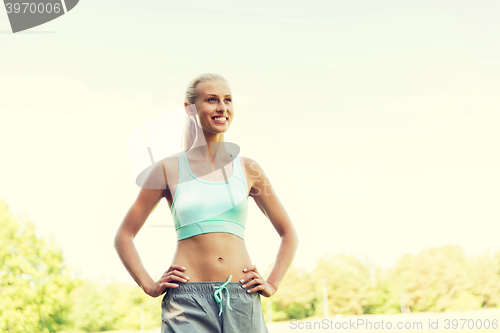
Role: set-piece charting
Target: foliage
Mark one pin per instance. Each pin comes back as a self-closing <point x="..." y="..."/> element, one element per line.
<point x="485" y="272"/>
<point x="39" y="295"/>
<point x="112" y="307"/>
<point x="434" y="279"/>
<point x="384" y="294"/>
<point x="348" y="284"/>
<point x="295" y="298"/>
<point x="34" y="282"/>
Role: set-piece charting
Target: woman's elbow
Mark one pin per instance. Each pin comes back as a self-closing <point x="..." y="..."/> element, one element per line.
<point x="295" y="238"/>
<point x="119" y="238"/>
<point x="116" y="241"/>
<point x="292" y="235"/>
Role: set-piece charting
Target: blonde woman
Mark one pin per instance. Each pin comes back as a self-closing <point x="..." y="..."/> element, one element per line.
<point x="211" y="285"/>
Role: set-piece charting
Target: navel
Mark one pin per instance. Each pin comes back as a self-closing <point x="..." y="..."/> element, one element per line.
<point x="221" y="259"/>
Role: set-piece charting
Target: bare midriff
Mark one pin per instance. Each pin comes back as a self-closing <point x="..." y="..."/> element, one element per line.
<point x="212" y="257"/>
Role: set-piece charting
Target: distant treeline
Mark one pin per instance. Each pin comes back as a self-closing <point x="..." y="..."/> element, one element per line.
<point x="436" y="279"/>
<point x="39" y="294"/>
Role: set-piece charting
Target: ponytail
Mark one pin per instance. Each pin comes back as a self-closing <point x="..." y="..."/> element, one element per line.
<point x="189" y="133"/>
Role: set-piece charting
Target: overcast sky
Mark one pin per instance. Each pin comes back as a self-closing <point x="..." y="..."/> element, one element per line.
<point x="377" y="122"/>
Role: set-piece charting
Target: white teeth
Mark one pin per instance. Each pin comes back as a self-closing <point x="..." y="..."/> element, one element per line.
<point x="220" y="119"/>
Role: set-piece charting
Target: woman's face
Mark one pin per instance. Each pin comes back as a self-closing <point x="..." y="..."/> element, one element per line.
<point x="214" y="104"/>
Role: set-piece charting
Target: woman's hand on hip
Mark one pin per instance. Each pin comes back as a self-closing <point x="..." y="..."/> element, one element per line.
<point x="257" y="282"/>
<point x="174" y="274"/>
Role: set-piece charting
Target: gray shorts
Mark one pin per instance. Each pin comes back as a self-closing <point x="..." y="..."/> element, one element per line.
<point x="193" y="307"/>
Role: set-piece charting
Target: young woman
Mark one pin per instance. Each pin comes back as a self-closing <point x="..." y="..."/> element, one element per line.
<point x="212" y="285"/>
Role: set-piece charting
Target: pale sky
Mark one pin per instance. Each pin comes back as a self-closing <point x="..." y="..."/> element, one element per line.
<point x="377" y="122"/>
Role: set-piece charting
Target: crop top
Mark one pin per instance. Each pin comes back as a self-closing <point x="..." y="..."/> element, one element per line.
<point x="201" y="206"/>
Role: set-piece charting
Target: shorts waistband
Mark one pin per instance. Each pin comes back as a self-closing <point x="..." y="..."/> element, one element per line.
<point x="217" y="289"/>
<point x="207" y="288"/>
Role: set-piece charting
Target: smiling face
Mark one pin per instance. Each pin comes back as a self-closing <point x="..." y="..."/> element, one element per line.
<point x="214" y="104"/>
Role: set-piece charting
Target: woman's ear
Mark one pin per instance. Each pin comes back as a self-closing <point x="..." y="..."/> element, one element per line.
<point x="190" y="109"/>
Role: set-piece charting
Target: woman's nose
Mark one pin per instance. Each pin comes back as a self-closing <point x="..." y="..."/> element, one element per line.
<point x="221" y="107"/>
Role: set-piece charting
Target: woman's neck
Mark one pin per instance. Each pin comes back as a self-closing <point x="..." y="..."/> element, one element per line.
<point x="210" y="146"/>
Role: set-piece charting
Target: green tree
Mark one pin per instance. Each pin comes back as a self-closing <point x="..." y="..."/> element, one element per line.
<point x="128" y="300"/>
<point x="348" y="284"/>
<point x="112" y="307"/>
<point x="92" y="311"/>
<point x="34" y="281"/>
<point x="435" y="279"/>
<point x="295" y="298"/>
<point x="486" y="281"/>
<point x="384" y="294"/>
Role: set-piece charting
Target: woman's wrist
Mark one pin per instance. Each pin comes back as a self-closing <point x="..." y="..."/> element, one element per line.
<point x="273" y="285"/>
<point x="147" y="287"/>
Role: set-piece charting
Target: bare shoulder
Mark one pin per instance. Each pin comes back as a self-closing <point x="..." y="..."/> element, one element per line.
<point x="255" y="172"/>
<point x="250" y="164"/>
<point x="160" y="173"/>
<point x="169" y="166"/>
<point x="171" y="163"/>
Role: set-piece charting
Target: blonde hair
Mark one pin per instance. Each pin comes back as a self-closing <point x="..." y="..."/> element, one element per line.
<point x="190" y="97"/>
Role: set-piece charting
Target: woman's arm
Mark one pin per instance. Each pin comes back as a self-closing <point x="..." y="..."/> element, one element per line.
<point x="268" y="202"/>
<point x="135" y="218"/>
<point x="149" y="197"/>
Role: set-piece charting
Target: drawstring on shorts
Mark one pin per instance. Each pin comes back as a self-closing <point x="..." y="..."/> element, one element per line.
<point x="218" y="294"/>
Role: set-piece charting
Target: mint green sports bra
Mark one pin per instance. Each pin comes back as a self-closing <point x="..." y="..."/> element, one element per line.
<point x="200" y="206"/>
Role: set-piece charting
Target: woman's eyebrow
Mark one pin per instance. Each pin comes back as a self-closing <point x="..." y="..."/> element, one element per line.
<point x="216" y="95"/>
